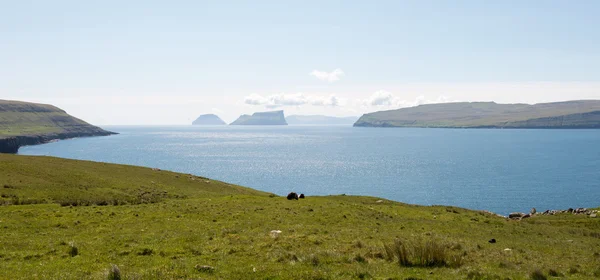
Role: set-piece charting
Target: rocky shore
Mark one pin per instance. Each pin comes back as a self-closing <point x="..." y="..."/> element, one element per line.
<point x="11" y="144"/>
<point x="533" y="212"/>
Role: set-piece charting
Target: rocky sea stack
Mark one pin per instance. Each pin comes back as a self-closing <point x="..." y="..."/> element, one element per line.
<point x="23" y="123"/>
<point x="209" y="119"/>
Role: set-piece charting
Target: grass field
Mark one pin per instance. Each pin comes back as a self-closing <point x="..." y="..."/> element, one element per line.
<point x="30" y="119"/>
<point x="153" y="224"/>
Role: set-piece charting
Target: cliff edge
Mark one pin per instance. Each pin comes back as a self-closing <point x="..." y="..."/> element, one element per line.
<point x="24" y="123"/>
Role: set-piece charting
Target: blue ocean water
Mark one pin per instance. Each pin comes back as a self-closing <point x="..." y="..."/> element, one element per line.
<point x="487" y="169"/>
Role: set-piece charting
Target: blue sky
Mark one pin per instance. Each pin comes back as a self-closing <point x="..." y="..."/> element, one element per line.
<point x="165" y="62"/>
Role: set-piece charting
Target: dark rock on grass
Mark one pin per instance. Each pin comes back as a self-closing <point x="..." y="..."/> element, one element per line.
<point x="492" y="241"/>
<point x="292" y="196"/>
<point x="301" y="195"/>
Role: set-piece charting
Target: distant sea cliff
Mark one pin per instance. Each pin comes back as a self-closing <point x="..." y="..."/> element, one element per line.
<point x="23" y="124"/>
<point x="568" y="114"/>
<point x="262" y="118"/>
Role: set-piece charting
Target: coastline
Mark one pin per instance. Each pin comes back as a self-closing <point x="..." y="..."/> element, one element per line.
<point x="11" y="144"/>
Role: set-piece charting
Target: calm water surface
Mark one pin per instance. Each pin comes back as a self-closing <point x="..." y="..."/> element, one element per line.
<point x="497" y="170"/>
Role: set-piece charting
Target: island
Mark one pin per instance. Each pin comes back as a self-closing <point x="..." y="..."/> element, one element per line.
<point x="319" y="120"/>
<point x="208" y="119"/>
<point x="24" y="123"/>
<point x="567" y="114"/>
<point x="262" y="118"/>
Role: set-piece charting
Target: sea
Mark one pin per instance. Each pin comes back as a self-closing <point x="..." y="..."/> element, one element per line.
<point x="498" y="170"/>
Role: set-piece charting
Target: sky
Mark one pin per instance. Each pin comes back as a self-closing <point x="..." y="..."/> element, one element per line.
<point x="167" y="62"/>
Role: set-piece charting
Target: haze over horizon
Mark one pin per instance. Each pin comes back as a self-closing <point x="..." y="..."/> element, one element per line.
<point x="151" y="62"/>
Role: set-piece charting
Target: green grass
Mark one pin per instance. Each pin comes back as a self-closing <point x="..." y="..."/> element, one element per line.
<point x="205" y="229"/>
<point x="27" y="119"/>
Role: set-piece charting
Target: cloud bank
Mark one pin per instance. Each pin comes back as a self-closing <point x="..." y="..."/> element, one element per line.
<point x="384" y="98"/>
<point x="331" y="77"/>
<point x="297" y="99"/>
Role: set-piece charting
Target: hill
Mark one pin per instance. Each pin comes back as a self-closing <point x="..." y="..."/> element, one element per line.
<point x="143" y="223"/>
<point x="319" y="120"/>
<point x="262" y="118"/>
<point x="209" y="119"/>
<point x="569" y="114"/>
<point x="23" y="123"/>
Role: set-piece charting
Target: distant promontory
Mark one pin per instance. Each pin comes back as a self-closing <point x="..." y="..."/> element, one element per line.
<point x="319" y="120"/>
<point x="262" y="118"/>
<point x="568" y="114"/>
<point x="208" y="119"/>
<point x="24" y="123"/>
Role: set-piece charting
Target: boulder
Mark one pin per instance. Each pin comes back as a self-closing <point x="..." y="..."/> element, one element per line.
<point x="533" y="211"/>
<point x="492" y="241"/>
<point x="301" y="195"/>
<point x="516" y="215"/>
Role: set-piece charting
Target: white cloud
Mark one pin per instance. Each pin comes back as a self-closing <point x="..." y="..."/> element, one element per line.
<point x="332" y="76"/>
<point x="297" y="99"/>
<point x="384" y="98"/>
<point x="381" y="98"/>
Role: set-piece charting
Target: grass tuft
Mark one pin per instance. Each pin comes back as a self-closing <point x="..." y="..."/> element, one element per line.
<point x="554" y="273"/>
<point x="114" y="273"/>
<point x="73" y="250"/>
<point x="538" y="275"/>
<point x="430" y="253"/>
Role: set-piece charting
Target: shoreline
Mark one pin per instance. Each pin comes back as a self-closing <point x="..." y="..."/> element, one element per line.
<point x="11" y="144"/>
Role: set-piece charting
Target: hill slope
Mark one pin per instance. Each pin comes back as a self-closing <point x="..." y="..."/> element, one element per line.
<point x="28" y="179"/>
<point x="319" y="120"/>
<point x="178" y="226"/>
<point x="569" y="114"/>
<point x="262" y="118"/>
<point x="209" y="119"/>
<point x="23" y="123"/>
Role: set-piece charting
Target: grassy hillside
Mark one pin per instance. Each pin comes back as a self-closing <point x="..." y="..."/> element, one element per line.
<point x="197" y="228"/>
<point x="25" y="119"/>
<point x="570" y="114"/>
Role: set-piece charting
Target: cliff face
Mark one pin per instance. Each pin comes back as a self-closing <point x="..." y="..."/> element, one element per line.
<point x="209" y="119"/>
<point x="23" y="123"/>
<point x="262" y="118"/>
<point x="569" y="114"/>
